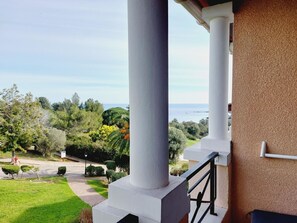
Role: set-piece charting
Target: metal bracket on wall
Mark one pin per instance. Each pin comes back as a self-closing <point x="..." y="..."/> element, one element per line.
<point x="263" y="154"/>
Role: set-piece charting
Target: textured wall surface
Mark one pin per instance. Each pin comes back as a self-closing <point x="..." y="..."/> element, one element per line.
<point x="264" y="107"/>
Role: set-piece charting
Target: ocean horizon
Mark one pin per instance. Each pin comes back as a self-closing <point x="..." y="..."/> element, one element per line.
<point x="181" y="112"/>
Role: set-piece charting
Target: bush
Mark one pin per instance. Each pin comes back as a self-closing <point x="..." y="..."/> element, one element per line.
<point x="96" y="151"/>
<point x="123" y="162"/>
<point x="26" y="168"/>
<point x="109" y="174"/>
<point x="99" y="171"/>
<point x="61" y="170"/>
<point x="117" y="175"/>
<point x="177" y="142"/>
<point x="93" y="171"/>
<point x="11" y="169"/>
<point x="110" y="164"/>
<point x="86" y="216"/>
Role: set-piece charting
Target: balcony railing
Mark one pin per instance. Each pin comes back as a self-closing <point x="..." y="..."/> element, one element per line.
<point x="211" y="181"/>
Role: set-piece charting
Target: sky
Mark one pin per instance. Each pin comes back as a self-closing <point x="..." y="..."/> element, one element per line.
<point x="58" y="47"/>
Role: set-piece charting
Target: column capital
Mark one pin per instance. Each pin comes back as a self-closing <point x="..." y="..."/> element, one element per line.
<point x="220" y="10"/>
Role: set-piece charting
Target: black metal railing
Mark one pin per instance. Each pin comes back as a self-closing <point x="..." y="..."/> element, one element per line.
<point x="211" y="181"/>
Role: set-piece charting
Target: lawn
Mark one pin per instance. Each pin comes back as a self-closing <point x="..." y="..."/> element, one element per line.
<point x="191" y="142"/>
<point x="28" y="155"/>
<point x="48" y="200"/>
<point x="100" y="186"/>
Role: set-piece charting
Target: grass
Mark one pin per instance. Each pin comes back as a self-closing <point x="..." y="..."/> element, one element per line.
<point x="28" y="155"/>
<point x="100" y="187"/>
<point x="48" y="200"/>
<point x="191" y="142"/>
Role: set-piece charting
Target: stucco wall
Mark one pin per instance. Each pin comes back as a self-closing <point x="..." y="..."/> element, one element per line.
<point x="264" y="107"/>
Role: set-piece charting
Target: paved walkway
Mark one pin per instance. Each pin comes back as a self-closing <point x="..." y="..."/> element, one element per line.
<point x="84" y="191"/>
<point x="74" y="175"/>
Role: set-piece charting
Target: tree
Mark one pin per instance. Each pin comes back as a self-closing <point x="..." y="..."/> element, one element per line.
<point x="75" y="99"/>
<point x="52" y="140"/>
<point x="192" y="129"/>
<point x="44" y="102"/>
<point x="19" y="120"/>
<point x="93" y="106"/>
<point x="177" y="142"/>
<point x="120" y="139"/>
<point x="103" y="133"/>
<point x="115" y="116"/>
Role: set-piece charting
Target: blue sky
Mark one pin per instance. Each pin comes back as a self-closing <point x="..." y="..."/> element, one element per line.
<point x="58" y="47"/>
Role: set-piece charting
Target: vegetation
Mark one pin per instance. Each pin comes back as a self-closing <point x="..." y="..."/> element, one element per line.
<point x="177" y="143"/>
<point x="61" y="170"/>
<point x="49" y="200"/>
<point x="81" y="128"/>
<point x="92" y="171"/>
<point x="100" y="187"/>
<point x="86" y="216"/>
<point x="11" y="170"/>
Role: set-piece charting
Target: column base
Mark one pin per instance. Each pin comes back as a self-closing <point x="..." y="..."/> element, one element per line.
<point x="168" y="204"/>
<point x="199" y="151"/>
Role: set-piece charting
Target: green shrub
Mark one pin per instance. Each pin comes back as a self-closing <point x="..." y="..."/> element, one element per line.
<point x="90" y="171"/>
<point x="93" y="171"/>
<point x="110" y="164"/>
<point x="11" y="169"/>
<point x="109" y="174"/>
<point x="61" y="170"/>
<point x="123" y="161"/>
<point x="117" y="175"/>
<point x="26" y="168"/>
<point x="99" y="171"/>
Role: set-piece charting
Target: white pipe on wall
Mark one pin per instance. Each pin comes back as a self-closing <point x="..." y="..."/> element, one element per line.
<point x="263" y="154"/>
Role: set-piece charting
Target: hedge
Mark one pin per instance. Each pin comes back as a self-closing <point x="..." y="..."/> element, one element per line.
<point x="95" y="152"/>
<point x="61" y="170"/>
<point x="11" y="169"/>
<point x="93" y="171"/>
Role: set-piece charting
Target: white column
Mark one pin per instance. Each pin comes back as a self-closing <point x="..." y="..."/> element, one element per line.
<point x="148" y="85"/>
<point x="218" y="77"/>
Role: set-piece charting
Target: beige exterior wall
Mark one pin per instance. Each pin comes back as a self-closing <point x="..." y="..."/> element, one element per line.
<point x="264" y="107"/>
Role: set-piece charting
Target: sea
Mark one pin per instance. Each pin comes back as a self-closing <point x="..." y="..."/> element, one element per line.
<point x="181" y="112"/>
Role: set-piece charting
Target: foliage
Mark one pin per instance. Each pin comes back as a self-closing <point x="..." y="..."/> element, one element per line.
<point x="26" y="168"/>
<point x="115" y="116"/>
<point x="120" y="139"/>
<point x="93" y="106"/>
<point x="85" y="216"/>
<point x="61" y="170"/>
<point x="103" y="133"/>
<point x="110" y="164"/>
<point x="93" y="171"/>
<point x="11" y="169"/>
<point x="117" y="175"/>
<point x="78" y="145"/>
<point x="47" y="200"/>
<point x="72" y="118"/>
<point x="100" y="187"/>
<point x="44" y="102"/>
<point x="50" y="141"/>
<point x="179" y="169"/>
<point x="177" y="143"/>
<point x="19" y="120"/>
<point x="123" y="162"/>
<point x="109" y="174"/>
<point x="192" y="130"/>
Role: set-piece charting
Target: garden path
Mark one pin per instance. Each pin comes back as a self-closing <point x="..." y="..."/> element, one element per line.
<point x="84" y="191"/>
<point x="74" y="174"/>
